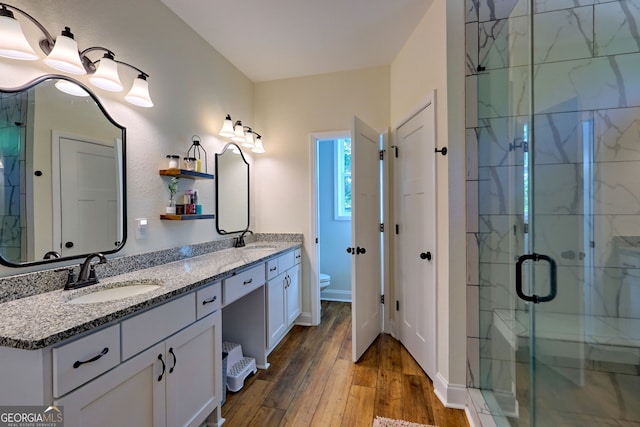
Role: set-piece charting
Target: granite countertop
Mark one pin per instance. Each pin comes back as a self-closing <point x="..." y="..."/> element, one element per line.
<point x="42" y="320"/>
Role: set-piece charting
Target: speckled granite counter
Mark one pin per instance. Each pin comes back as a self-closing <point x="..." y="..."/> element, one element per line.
<point x="48" y="318"/>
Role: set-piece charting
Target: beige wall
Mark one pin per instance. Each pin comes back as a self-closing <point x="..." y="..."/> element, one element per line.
<point x="433" y="60"/>
<point x="288" y="111"/>
<point x="191" y="84"/>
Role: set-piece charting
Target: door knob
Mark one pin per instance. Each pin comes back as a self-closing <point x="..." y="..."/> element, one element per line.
<point x="426" y="256"/>
<point x="68" y="245"/>
<point x="360" y="250"/>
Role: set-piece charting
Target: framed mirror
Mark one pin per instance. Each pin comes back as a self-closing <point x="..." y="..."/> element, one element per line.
<point x="62" y="173"/>
<point x="232" y="190"/>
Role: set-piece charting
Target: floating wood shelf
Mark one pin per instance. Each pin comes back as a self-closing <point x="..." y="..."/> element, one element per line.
<point x="183" y="173"/>
<point x="173" y="217"/>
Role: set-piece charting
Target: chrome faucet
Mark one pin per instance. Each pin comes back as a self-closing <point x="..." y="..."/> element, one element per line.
<point x="239" y="241"/>
<point x="87" y="275"/>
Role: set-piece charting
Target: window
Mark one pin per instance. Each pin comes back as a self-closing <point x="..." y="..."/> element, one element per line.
<point x="343" y="179"/>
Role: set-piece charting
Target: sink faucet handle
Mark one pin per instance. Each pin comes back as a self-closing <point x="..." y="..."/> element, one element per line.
<point x="71" y="278"/>
<point x="92" y="272"/>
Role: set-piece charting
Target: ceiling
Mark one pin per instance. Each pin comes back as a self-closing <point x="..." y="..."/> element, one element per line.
<point x="278" y="39"/>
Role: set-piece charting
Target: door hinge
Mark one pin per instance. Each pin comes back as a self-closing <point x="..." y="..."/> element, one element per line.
<point x="397" y="305"/>
<point x="395" y="149"/>
<point x="382" y="227"/>
<point x="316" y="240"/>
<point x="381" y="154"/>
<point x="526" y="228"/>
<point x="382" y="299"/>
<point x="397" y="229"/>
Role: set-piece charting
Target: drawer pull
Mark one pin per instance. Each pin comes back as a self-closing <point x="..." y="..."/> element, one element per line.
<point x="209" y="301"/>
<point x="175" y="360"/>
<point x="78" y="363"/>
<point x="273" y="268"/>
<point x="246" y="282"/>
<point x="164" y="368"/>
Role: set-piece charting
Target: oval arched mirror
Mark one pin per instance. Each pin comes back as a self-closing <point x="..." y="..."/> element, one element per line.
<point x="232" y="190"/>
<point x="62" y="167"/>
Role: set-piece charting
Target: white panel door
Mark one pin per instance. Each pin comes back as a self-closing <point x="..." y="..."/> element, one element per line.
<point x="415" y="213"/>
<point x="366" y="266"/>
<point x="89" y="197"/>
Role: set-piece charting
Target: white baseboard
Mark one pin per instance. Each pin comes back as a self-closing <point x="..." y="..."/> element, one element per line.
<point x="305" y="319"/>
<point x="451" y="395"/>
<point x="335" y="295"/>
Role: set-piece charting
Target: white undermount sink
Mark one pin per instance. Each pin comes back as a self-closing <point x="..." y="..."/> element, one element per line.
<point x="116" y="291"/>
<point x="259" y="250"/>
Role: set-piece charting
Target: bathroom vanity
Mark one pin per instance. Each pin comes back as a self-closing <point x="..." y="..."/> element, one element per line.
<point x="155" y="358"/>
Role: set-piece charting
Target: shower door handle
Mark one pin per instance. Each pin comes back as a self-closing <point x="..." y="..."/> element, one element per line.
<point x="553" y="271"/>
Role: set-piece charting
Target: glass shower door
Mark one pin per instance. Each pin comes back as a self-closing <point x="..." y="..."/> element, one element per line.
<point x="583" y="313"/>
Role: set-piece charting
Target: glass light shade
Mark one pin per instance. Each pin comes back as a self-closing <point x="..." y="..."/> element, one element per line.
<point x="106" y="76"/>
<point x="13" y="43"/>
<point x="227" y="128"/>
<point x="64" y="56"/>
<point x="139" y="93"/>
<point x="248" y="139"/>
<point x="259" y="148"/>
<point x="71" y="88"/>
<point x="238" y="135"/>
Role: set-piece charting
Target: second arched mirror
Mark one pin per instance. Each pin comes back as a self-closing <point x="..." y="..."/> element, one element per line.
<point x="232" y="190"/>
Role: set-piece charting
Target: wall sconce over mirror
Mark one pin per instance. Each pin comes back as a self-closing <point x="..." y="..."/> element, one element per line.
<point x="63" y="55"/>
<point x="243" y="135"/>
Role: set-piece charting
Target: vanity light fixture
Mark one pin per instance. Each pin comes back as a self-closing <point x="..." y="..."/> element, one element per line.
<point x="248" y="136"/>
<point x="63" y="54"/>
<point x="241" y="134"/>
<point x="238" y="132"/>
<point x="13" y="43"/>
<point x="227" y="128"/>
<point x="259" y="148"/>
<point x="106" y="76"/>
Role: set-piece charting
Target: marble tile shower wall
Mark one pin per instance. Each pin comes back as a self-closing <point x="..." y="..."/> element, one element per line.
<point x="12" y="110"/>
<point x="586" y="102"/>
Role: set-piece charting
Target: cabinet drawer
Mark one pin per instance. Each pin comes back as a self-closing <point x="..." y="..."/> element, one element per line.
<point x="208" y="300"/>
<point x="297" y="255"/>
<point x="155" y="325"/>
<point x="82" y="360"/>
<point x="235" y="287"/>
<point x="272" y="268"/>
<point x="286" y="261"/>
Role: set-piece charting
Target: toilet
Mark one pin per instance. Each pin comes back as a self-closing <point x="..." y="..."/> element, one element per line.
<point x="325" y="281"/>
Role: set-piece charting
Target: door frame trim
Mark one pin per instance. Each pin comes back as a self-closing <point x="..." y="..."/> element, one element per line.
<point x="314" y="254"/>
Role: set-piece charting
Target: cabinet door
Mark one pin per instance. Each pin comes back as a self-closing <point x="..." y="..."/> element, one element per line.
<point x="194" y="372"/>
<point x="294" y="295"/>
<point x="276" y="318"/>
<point x="130" y="395"/>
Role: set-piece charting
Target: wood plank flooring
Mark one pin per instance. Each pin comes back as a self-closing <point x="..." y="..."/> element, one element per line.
<point x="312" y="382"/>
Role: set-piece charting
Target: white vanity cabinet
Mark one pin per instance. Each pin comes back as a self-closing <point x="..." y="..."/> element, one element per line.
<point x="176" y="382"/>
<point x="160" y="367"/>
<point x="284" y="297"/>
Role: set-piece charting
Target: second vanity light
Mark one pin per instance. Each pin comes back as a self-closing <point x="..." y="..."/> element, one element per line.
<point x="242" y="134"/>
<point x="63" y="54"/>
